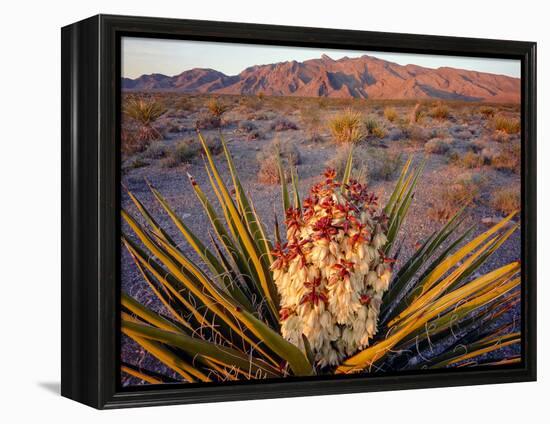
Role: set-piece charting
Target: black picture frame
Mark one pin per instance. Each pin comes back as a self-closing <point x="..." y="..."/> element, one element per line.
<point x="90" y="206"/>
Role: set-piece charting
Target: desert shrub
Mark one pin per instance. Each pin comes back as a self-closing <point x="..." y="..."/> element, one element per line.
<point x="250" y="130"/>
<point x="207" y="121"/>
<point x="440" y="111"/>
<point x="131" y="143"/>
<point x="214" y="145"/>
<point x="246" y="126"/>
<point x="507" y="125"/>
<point x="438" y="146"/>
<point x="416" y="115"/>
<point x="506" y="200"/>
<point x="470" y="160"/>
<point x="268" y="161"/>
<point x="383" y="164"/>
<point x="449" y="198"/>
<point x="477" y="145"/>
<point x="182" y="152"/>
<point x="136" y="163"/>
<point x="156" y="151"/>
<point x="508" y="159"/>
<point x="452" y="156"/>
<point x="283" y="124"/>
<point x="216" y="107"/>
<point x="390" y="114"/>
<point x="184" y="103"/>
<point x="374" y="128"/>
<point x="347" y="127"/>
<point x="501" y="136"/>
<point x="487" y="112"/>
<point x="415" y="133"/>
<point x="261" y="96"/>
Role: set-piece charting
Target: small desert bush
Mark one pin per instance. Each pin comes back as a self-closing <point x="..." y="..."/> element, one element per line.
<point x="449" y="198"/>
<point x="507" y="125"/>
<point x="374" y="128"/>
<point x="501" y="136"/>
<point x="508" y="159"/>
<point x="183" y="152"/>
<point x="156" y="151"/>
<point x="207" y="121"/>
<point x="136" y="163"/>
<point x="383" y="164"/>
<point x="131" y="143"/>
<point x="268" y="160"/>
<point x="390" y="114"/>
<point x="216" y="107"/>
<point x="347" y="127"/>
<point x="416" y="115"/>
<point x="359" y="169"/>
<point x="506" y="200"/>
<point x="440" y="111"/>
<point x="250" y="130"/>
<point x="438" y="146"/>
<point x="487" y="112"/>
<point x="470" y="160"/>
<point x="283" y="124"/>
<point x="415" y="133"/>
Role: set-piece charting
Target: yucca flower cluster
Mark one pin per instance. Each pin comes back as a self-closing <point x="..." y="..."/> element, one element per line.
<point x="332" y="272"/>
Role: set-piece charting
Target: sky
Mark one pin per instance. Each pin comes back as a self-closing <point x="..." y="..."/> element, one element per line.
<point x="171" y="57"/>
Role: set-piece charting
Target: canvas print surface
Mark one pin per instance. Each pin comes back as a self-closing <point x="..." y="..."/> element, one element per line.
<point x="296" y="212"/>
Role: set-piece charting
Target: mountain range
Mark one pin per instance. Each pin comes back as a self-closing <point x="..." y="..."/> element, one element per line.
<point x="362" y="77"/>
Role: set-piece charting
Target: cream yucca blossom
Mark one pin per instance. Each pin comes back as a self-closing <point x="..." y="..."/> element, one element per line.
<point x="331" y="273"/>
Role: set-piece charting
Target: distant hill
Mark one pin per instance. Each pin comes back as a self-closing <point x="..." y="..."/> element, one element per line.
<point x="362" y="77"/>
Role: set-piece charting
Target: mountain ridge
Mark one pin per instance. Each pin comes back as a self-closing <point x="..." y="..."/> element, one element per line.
<point x="363" y="77"/>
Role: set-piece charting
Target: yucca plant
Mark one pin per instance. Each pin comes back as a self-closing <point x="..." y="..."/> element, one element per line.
<point x="327" y="298"/>
<point x="347" y="127"/>
<point x="145" y="112"/>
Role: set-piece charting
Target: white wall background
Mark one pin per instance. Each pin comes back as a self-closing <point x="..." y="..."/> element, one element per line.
<point x="30" y="213"/>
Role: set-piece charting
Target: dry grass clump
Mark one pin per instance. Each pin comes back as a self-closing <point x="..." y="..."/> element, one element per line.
<point x="183" y="152"/>
<point x="506" y="200"/>
<point x="250" y="130"/>
<point x="156" y="151"/>
<point x="347" y="127"/>
<point x="440" y="111"/>
<point x="130" y="143"/>
<point x="283" y="124"/>
<point x="415" y="133"/>
<point x="487" y="111"/>
<point x="216" y="107"/>
<point x="438" y="146"/>
<point x="390" y="114"/>
<point x="267" y="158"/>
<point x="359" y="169"/>
<point x="471" y="160"/>
<point x="383" y="164"/>
<point x="508" y="159"/>
<point x="374" y="128"/>
<point x="207" y="121"/>
<point x="416" y="115"/>
<point x="501" y="136"/>
<point x="449" y="198"/>
<point x="369" y="164"/>
<point x="507" y="125"/>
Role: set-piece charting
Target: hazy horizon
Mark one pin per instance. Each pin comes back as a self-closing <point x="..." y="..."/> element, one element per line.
<point x="142" y="56"/>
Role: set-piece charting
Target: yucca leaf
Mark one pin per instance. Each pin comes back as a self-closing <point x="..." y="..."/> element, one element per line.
<point x="251" y="249"/>
<point x="145" y="375"/>
<point x="398" y="187"/>
<point x="228" y="356"/>
<point x="477" y="349"/>
<point x="372" y="354"/>
<point x="347" y="169"/>
<point x="296" y="192"/>
<point x="284" y="188"/>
